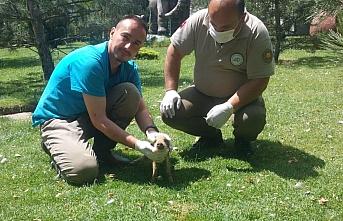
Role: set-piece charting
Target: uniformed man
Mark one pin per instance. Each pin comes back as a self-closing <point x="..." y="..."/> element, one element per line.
<point x="233" y="63"/>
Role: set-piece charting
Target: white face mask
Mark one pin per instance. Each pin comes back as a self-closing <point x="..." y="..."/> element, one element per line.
<point x="223" y="36"/>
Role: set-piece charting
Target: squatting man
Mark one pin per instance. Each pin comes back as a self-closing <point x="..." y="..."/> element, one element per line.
<point x="95" y="92"/>
<point x="233" y="63"/>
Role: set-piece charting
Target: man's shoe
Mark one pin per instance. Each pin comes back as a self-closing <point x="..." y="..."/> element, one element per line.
<point x="243" y="147"/>
<point x="109" y="159"/>
<point x="208" y="142"/>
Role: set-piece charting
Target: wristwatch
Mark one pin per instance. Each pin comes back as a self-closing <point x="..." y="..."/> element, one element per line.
<point x="151" y="126"/>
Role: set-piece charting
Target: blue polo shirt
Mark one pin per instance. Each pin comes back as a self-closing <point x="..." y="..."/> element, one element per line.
<point x="85" y="70"/>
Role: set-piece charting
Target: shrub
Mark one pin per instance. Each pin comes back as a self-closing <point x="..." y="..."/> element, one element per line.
<point x="147" y="53"/>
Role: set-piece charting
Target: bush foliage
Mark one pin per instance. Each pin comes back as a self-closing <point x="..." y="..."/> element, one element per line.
<point x="147" y="53"/>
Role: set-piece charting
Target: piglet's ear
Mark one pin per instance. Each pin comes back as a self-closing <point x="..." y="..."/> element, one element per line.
<point x="166" y="136"/>
<point x="170" y="145"/>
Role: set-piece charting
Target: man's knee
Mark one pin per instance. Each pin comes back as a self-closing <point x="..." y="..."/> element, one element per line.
<point x="250" y="123"/>
<point x="173" y="122"/>
<point x="81" y="171"/>
<point x="123" y="92"/>
<point x="123" y="100"/>
<point x="166" y="120"/>
<point x="130" y="88"/>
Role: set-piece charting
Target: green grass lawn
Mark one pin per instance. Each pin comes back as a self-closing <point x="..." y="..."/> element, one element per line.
<point x="21" y="80"/>
<point x="295" y="173"/>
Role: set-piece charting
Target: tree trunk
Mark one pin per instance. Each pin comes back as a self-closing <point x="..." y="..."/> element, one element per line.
<point x="40" y="38"/>
<point x="278" y="31"/>
<point x="179" y="14"/>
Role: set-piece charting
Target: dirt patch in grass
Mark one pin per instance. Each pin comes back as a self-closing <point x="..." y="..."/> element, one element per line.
<point x="18" y="116"/>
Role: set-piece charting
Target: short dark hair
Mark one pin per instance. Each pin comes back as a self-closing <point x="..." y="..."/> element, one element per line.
<point x="138" y="19"/>
<point x="240" y="4"/>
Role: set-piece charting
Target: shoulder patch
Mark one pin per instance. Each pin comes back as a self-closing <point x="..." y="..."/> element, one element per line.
<point x="267" y="56"/>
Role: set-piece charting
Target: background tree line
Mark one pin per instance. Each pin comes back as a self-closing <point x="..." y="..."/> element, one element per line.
<point x="46" y="24"/>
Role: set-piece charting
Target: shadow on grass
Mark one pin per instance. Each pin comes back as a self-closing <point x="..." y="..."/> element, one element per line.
<point x="27" y="90"/>
<point x="19" y="62"/>
<point x="315" y="62"/>
<point x="25" y="86"/>
<point x="285" y="161"/>
<point x="156" y="79"/>
<point x="140" y="173"/>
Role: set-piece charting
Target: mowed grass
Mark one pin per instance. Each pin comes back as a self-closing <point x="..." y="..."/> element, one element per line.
<point x="21" y="80"/>
<point x="295" y="173"/>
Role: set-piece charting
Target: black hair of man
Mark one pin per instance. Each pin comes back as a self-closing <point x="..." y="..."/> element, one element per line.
<point x="138" y="19"/>
<point x="240" y="6"/>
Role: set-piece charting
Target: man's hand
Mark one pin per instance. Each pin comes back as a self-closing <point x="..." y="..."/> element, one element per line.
<point x="168" y="102"/>
<point x="150" y="151"/>
<point x="151" y="135"/>
<point x="219" y="115"/>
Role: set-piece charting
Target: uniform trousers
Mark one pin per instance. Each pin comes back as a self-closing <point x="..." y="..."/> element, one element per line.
<point x="247" y="122"/>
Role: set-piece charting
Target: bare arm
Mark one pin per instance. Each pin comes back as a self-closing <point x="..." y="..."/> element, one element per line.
<point x="172" y="67"/>
<point x="248" y="92"/>
<point x="143" y="117"/>
<point x="96" y="107"/>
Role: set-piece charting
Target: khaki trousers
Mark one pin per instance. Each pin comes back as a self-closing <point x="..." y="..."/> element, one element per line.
<point x="248" y="121"/>
<point x="67" y="140"/>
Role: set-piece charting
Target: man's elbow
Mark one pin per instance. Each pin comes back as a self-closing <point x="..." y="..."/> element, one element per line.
<point x="264" y="84"/>
<point x="174" y="52"/>
<point x="99" y="122"/>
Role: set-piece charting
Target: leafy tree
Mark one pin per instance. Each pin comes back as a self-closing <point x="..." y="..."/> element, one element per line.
<point x="40" y="36"/>
<point x="281" y="18"/>
<point x="45" y="24"/>
<point x="332" y="40"/>
<point x="38" y="23"/>
<point x="97" y="25"/>
<point x="332" y="6"/>
<point x="199" y="4"/>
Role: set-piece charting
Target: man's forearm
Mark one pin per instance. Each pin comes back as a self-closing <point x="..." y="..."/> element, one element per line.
<point x="114" y="132"/>
<point x="248" y="92"/>
<point x="143" y="117"/>
<point x="172" y="68"/>
<point x="96" y="107"/>
<point x="144" y="120"/>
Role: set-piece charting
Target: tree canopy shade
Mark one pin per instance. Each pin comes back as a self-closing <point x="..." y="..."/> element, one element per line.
<point x="286" y="17"/>
<point x="330" y="6"/>
<point x="38" y="23"/>
<point x="16" y="19"/>
<point x="44" y="24"/>
<point x="290" y="17"/>
<point x="333" y="40"/>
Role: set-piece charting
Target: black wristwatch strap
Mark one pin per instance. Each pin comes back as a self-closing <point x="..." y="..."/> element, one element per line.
<point x="151" y="126"/>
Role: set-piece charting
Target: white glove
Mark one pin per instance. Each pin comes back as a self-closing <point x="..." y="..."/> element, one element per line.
<point x="168" y="102"/>
<point x="153" y="134"/>
<point x="150" y="151"/>
<point x="219" y="114"/>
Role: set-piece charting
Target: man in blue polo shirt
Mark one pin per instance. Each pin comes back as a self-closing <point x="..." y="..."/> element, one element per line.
<point x="95" y="91"/>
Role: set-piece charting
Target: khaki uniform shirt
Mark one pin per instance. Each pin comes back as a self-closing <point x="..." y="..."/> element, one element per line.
<point x="220" y="69"/>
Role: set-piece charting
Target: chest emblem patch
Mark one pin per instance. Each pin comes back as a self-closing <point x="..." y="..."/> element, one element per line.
<point x="236" y="59"/>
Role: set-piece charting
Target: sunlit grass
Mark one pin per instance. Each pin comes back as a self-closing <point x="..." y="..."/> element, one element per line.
<point x="295" y="173"/>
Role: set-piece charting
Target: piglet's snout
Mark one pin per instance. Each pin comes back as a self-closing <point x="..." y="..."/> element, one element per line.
<point x="160" y="146"/>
